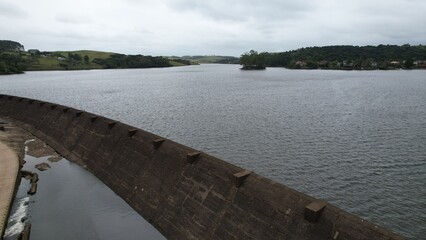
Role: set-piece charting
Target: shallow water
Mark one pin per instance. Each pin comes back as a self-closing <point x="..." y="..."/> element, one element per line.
<point x="354" y="138"/>
<point x="70" y="203"/>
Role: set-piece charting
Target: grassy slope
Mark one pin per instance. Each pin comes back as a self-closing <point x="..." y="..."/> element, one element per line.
<point x="51" y="62"/>
<point x="176" y="64"/>
<point x="205" y="59"/>
<point x="91" y="54"/>
<point x="208" y="59"/>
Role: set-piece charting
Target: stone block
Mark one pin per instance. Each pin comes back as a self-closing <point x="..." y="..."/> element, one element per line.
<point x="239" y="177"/>
<point x="157" y="142"/>
<point x="131" y="132"/>
<point x="313" y="210"/>
<point x="93" y="118"/>
<point x="111" y="124"/>
<point x="192" y="156"/>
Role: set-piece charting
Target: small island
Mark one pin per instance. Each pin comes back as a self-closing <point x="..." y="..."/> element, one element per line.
<point x="252" y="61"/>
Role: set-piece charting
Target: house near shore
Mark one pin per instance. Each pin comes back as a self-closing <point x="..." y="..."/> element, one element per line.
<point x="323" y="64"/>
<point x="347" y="64"/>
<point x="300" y="64"/>
<point x="420" y="64"/>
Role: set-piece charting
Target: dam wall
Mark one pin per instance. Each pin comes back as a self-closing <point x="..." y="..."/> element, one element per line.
<point x="184" y="193"/>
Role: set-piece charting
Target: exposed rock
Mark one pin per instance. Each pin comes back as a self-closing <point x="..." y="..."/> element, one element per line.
<point x="38" y="148"/>
<point x="33" y="188"/>
<point x="56" y="158"/>
<point x="42" y="166"/>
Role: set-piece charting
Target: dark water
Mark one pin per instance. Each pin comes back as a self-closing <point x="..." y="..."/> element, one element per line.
<point x="70" y="203"/>
<point x="356" y="139"/>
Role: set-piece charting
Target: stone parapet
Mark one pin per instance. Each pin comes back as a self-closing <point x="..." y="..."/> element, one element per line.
<point x="184" y="193"/>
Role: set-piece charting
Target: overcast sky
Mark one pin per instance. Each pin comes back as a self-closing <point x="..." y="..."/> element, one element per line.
<point x="221" y="27"/>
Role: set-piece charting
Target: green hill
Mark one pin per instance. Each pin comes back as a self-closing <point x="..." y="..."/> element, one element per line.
<point x="86" y="59"/>
<point x="13" y="59"/>
<point x="349" y="57"/>
<point x="64" y="60"/>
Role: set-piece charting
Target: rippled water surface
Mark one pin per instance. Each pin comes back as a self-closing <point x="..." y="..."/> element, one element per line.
<point x="354" y="138"/>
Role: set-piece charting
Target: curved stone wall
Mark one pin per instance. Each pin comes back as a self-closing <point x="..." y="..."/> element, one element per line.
<point x="184" y="193"/>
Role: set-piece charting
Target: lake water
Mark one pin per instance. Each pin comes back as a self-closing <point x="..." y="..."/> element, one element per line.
<point x="354" y="138"/>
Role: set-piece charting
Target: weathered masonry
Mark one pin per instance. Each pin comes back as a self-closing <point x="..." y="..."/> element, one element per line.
<point x="184" y="193"/>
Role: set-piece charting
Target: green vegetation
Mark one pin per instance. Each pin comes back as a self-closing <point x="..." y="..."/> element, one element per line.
<point x="64" y="60"/>
<point x="181" y="62"/>
<point x="253" y="60"/>
<point x="132" y="61"/>
<point x="348" y="57"/>
<point x="90" y="54"/>
<point x="80" y="60"/>
<point x="11" y="63"/>
<point x="13" y="59"/>
<point x="211" y="59"/>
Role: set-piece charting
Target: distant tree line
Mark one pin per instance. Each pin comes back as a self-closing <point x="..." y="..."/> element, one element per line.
<point x="228" y="60"/>
<point x="132" y="61"/>
<point x="211" y="59"/>
<point x="346" y="57"/>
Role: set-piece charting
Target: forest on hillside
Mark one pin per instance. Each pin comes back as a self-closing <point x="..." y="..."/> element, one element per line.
<point x="343" y="57"/>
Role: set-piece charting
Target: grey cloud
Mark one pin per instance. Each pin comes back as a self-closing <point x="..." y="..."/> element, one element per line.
<point x="12" y="11"/>
<point x="73" y="19"/>
<point x="272" y="10"/>
<point x="182" y="27"/>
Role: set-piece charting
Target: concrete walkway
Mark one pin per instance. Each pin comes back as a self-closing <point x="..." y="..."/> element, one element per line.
<point x="9" y="167"/>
